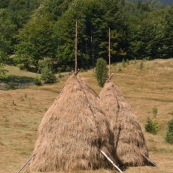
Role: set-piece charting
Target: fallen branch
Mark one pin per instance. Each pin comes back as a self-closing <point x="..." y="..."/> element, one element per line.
<point x="111" y="161"/>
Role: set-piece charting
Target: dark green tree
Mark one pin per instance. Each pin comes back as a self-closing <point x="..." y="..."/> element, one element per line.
<point x="90" y="19"/>
<point x="36" y="41"/>
<point x="101" y="71"/>
<point x="94" y="18"/>
<point x="22" y="9"/>
<point x="7" y="32"/>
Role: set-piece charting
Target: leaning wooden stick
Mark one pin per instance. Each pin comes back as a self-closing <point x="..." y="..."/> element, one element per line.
<point x="111" y="161"/>
<point x="26" y="163"/>
<point x="110" y="77"/>
<point x="75" y="73"/>
<point x="152" y="163"/>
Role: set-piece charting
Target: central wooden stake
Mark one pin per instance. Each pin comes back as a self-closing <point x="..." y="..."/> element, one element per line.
<point x="109" y="54"/>
<point x="76" y="39"/>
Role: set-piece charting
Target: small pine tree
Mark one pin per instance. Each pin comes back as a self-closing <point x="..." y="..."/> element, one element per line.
<point x="101" y="71"/>
<point x="151" y="125"/>
<point x="169" y="135"/>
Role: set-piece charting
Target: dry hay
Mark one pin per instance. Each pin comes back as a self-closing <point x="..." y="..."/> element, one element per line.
<point x="70" y="135"/>
<point x="129" y="140"/>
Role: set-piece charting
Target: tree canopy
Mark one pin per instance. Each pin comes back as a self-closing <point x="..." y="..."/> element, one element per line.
<point x="33" y="30"/>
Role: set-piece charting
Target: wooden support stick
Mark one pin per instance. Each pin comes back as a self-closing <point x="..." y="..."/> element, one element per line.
<point x="111" y="161"/>
<point x="152" y="163"/>
<point x="26" y="163"/>
<point x="110" y="77"/>
<point x="90" y="107"/>
<point x="76" y="47"/>
<point x="109" y="54"/>
<point x="75" y="73"/>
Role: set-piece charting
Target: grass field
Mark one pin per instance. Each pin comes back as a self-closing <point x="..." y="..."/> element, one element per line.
<point x="144" y="84"/>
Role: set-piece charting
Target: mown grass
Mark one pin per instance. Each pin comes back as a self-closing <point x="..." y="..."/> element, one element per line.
<point x="21" y="111"/>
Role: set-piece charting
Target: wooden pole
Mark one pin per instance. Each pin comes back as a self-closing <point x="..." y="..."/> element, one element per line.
<point x="76" y="39"/>
<point x="152" y="163"/>
<point x="26" y="163"/>
<point x="111" y="161"/>
<point x="109" y="54"/>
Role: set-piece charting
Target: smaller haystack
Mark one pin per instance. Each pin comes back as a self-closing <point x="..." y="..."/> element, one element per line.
<point x="72" y="132"/>
<point x="129" y="140"/>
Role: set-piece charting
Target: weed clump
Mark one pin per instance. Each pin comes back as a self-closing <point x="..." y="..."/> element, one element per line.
<point x="37" y="81"/>
<point x="141" y="65"/>
<point x="169" y="135"/>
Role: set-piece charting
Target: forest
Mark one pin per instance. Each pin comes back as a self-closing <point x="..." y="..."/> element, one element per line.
<point x="35" y="31"/>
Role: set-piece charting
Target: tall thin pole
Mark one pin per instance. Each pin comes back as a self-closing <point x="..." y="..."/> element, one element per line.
<point x="109" y="54"/>
<point x="76" y="39"/>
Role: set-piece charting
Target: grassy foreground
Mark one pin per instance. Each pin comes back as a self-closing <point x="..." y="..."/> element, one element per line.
<point x="144" y="84"/>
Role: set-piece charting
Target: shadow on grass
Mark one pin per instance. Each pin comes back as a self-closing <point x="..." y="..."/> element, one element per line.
<point x="15" y="82"/>
<point x="18" y="79"/>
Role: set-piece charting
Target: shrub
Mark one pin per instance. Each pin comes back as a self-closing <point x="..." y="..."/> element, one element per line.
<point x="46" y="69"/>
<point x="59" y="69"/>
<point x="68" y="68"/>
<point x="47" y="75"/>
<point x="3" y="72"/>
<point x="127" y="61"/>
<point x="37" y="81"/>
<point x="151" y="126"/>
<point x="21" y="66"/>
<point x="141" y="65"/>
<point x="101" y="71"/>
<point x="169" y="135"/>
<point x="11" y="86"/>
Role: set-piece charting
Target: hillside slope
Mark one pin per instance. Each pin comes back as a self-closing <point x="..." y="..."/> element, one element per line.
<point x="144" y="84"/>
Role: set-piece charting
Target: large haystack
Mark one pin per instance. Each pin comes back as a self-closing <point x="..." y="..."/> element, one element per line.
<point x="70" y="134"/>
<point x="129" y="140"/>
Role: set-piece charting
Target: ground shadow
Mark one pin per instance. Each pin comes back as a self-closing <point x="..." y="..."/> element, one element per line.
<point x="16" y="82"/>
<point x="18" y="79"/>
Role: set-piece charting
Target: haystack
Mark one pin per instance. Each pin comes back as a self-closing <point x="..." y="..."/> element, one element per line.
<point x="72" y="133"/>
<point x="129" y="142"/>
